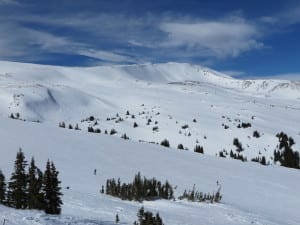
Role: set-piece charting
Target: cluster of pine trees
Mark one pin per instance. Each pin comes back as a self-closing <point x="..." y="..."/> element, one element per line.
<point x="199" y="149"/>
<point x="92" y="130"/>
<point x="31" y="189"/>
<point x="285" y="154"/>
<point x="238" y="144"/>
<point x="147" y="218"/>
<point x="237" y="156"/>
<point x="196" y="196"/>
<point x="244" y="125"/>
<point x="140" y="189"/>
<point x="261" y="160"/>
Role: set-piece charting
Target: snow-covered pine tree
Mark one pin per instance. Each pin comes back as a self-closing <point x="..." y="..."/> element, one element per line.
<point x="2" y="188"/>
<point x="35" y="181"/>
<point x="17" y="191"/>
<point x="51" y="188"/>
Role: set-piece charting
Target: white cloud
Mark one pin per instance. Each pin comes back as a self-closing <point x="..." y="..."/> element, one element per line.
<point x="128" y="38"/>
<point x="285" y="76"/>
<point x="221" y="38"/>
<point x="104" y="55"/>
<point x="290" y="16"/>
<point x="268" y="20"/>
<point x="18" y="42"/>
<point x="287" y="16"/>
<point x="9" y="2"/>
<point x="233" y="73"/>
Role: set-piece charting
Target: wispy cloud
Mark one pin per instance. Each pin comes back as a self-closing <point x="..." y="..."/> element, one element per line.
<point x="105" y="55"/>
<point x="9" y="2"/>
<point x="123" y="38"/>
<point x="290" y="15"/>
<point x="286" y="17"/>
<point x="285" y="76"/>
<point x="222" y="39"/>
<point x="234" y="73"/>
<point x="18" y="41"/>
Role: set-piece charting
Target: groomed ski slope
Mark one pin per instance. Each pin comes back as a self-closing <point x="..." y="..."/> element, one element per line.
<point x="252" y="194"/>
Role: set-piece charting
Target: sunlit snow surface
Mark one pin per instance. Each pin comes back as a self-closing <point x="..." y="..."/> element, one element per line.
<point x="173" y="94"/>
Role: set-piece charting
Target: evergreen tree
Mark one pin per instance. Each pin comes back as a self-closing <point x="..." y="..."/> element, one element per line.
<point x="238" y="144"/>
<point x="285" y="154"/>
<point x="52" y="189"/>
<point x="180" y="146"/>
<point x="263" y="160"/>
<point x="2" y="188"/>
<point x="17" y="191"/>
<point x="117" y="218"/>
<point x="77" y="127"/>
<point x="35" y="180"/>
<point x="165" y="143"/>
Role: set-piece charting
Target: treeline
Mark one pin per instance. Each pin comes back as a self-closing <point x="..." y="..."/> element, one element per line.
<point x="31" y="188"/>
<point x="140" y="189"/>
<point x="197" y="196"/>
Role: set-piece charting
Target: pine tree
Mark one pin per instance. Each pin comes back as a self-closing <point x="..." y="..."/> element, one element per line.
<point x="158" y="219"/>
<point x="117" y="218"/>
<point x="180" y="146"/>
<point x="263" y="160"/>
<point x="2" y="188"/>
<point x="35" y="180"/>
<point x="77" y="127"/>
<point x="17" y="192"/>
<point x="52" y="189"/>
<point x="165" y="143"/>
<point x="285" y="154"/>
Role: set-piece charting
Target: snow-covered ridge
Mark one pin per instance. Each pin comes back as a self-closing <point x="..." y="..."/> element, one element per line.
<point x="158" y="73"/>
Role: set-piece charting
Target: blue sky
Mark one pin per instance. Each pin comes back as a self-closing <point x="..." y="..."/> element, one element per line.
<point x="242" y="38"/>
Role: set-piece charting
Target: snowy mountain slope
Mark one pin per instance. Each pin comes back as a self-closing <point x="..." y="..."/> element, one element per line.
<point x="252" y="194"/>
<point x="171" y="95"/>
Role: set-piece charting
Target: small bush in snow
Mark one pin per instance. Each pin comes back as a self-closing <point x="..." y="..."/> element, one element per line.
<point x="165" y="143"/>
<point x="185" y="126"/>
<point x="112" y="131"/>
<point x="180" y="146"/>
<point x="256" y="134"/>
